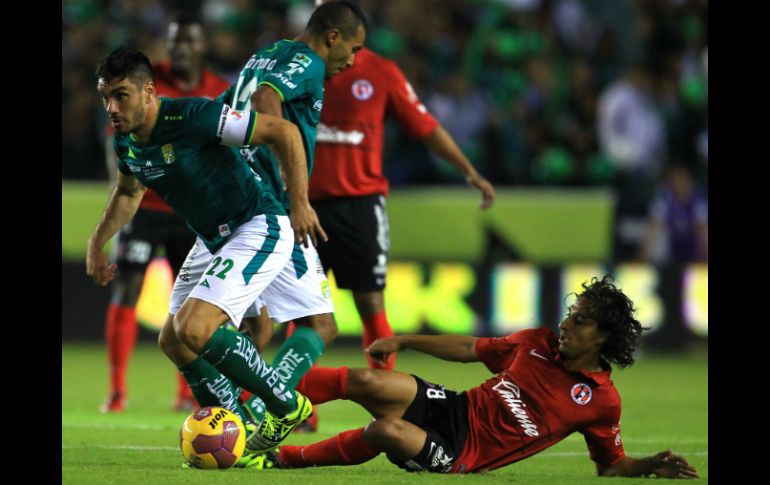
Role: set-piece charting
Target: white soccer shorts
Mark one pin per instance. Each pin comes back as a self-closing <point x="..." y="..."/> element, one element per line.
<point x="234" y="277"/>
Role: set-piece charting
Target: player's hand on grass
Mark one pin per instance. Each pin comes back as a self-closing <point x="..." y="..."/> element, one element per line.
<point x="486" y="189"/>
<point x="668" y="465"/>
<point x="381" y="349"/>
<point x="306" y="226"/>
<point x="98" y="266"/>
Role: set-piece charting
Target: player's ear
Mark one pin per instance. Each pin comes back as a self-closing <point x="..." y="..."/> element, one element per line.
<point x="602" y="337"/>
<point x="149" y="91"/>
<point x="332" y="37"/>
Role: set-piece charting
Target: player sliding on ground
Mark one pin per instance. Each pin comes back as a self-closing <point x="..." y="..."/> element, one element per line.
<point x="545" y="387"/>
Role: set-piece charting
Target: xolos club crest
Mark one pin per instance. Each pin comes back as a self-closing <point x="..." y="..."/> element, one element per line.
<point x="581" y="393"/>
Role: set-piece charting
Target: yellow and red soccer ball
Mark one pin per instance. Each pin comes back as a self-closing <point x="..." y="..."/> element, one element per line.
<point x="212" y="438"/>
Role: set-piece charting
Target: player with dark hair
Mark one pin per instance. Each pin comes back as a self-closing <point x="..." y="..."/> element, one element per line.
<point x="184" y="74"/>
<point x="348" y="189"/>
<point x="286" y="80"/>
<point x="186" y="150"/>
<point x="545" y="388"/>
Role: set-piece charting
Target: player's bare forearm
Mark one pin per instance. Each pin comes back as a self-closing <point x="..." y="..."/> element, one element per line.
<point x="443" y="146"/>
<point x="664" y="464"/>
<point x="285" y="139"/>
<point x="454" y="348"/>
<point x="121" y="207"/>
<point x="266" y="100"/>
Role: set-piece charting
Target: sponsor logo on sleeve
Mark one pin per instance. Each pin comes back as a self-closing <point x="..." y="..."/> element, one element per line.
<point x="223" y="120"/>
<point x="285" y="80"/>
<point x="302" y="59"/>
<point x="224" y="230"/>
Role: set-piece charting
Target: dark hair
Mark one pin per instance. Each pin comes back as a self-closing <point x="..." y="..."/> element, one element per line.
<point x="125" y="62"/>
<point x="614" y="313"/>
<point x="344" y="15"/>
<point x="185" y="17"/>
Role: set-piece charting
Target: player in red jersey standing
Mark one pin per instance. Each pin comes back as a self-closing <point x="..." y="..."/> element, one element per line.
<point x="182" y="75"/>
<point x="545" y="388"/>
<point x="348" y="189"/>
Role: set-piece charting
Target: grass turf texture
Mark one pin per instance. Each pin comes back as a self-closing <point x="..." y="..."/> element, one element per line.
<point x="665" y="404"/>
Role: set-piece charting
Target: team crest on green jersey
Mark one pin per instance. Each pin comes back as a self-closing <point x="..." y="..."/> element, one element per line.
<point x="168" y="153"/>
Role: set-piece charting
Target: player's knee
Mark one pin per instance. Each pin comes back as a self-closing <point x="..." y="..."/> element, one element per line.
<point x="323" y="323"/>
<point x="165" y="343"/>
<point x="385" y="433"/>
<point x="167" y="340"/>
<point x="362" y="381"/>
<point x="190" y="332"/>
<point x="369" y="302"/>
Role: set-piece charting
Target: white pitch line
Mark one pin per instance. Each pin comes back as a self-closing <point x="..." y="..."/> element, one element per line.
<point x="554" y="454"/>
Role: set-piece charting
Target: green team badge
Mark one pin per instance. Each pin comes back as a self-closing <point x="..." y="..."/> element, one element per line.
<point x="131" y="154"/>
<point x="168" y="153"/>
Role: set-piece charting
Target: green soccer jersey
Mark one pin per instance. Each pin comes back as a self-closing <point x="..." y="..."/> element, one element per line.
<point x="297" y="73"/>
<point x="191" y="162"/>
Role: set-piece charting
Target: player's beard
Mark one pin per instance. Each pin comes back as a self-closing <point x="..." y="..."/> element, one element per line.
<point x="132" y="125"/>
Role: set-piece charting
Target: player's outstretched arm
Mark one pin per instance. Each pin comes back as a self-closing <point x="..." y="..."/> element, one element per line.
<point x="121" y="207"/>
<point x="664" y="464"/>
<point x="443" y="146"/>
<point x="455" y="348"/>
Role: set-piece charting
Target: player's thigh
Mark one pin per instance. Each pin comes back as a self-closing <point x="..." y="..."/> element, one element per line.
<point x="194" y="266"/>
<point x="382" y="393"/>
<point x="437" y="452"/>
<point x="240" y="271"/>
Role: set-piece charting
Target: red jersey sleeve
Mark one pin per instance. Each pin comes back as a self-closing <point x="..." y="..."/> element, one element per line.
<point x="603" y="439"/>
<point x="497" y="352"/>
<point x="406" y="107"/>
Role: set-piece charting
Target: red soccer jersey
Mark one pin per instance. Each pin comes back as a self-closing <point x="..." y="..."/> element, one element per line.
<point x="211" y="85"/>
<point x="533" y="403"/>
<point x="348" y="154"/>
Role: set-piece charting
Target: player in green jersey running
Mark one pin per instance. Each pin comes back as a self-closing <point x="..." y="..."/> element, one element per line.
<point x="184" y="150"/>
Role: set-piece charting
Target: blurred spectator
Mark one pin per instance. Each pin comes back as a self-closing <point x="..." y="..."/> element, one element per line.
<point x="632" y="135"/>
<point x="542" y="92"/>
<point x="677" y="228"/>
<point x="631" y="131"/>
<point x="464" y="111"/>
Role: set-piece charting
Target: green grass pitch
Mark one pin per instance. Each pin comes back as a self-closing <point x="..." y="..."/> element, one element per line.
<point x="665" y="404"/>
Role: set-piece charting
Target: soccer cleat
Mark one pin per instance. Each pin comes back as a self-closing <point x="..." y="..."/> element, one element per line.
<point x="185" y="404"/>
<point x="310" y="425"/>
<point x="115" y="403"/>
<point x="272" y="430"/>
<point x="260" y="461"/>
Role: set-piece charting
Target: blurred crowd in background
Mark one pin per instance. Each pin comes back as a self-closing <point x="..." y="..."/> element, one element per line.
<point x="545" y="93"/>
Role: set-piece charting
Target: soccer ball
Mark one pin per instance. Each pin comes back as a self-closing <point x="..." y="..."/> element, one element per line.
<point x="212" y="438"/>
